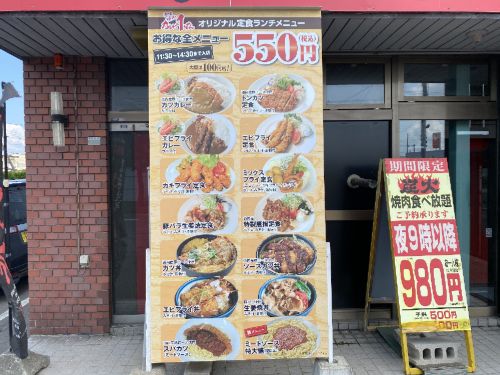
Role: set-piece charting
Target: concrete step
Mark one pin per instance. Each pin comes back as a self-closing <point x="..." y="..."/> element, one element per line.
<point x="135" y="329"/>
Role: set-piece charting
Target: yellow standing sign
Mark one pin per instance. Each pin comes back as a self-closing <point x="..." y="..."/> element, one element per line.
<point x="238" y="249"/>
<point x="423" y="238"/>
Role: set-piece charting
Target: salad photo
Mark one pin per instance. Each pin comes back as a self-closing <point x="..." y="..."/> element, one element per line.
<point x="209" y="170"/>
<point x="169" y="83"/>
<point x="293" y="211"/>
<point x="169" y="125"/>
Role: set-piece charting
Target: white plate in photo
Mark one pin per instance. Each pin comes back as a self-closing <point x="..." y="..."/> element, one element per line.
<point x="231" y="214"/>
<point x="309" y="175"/>
<point x="171" y="173"/>
<point x="223" y="129"/>
<point x="303" y="226"/>
<point x="223" y="325"/>
<point x="303" y="104"/>
<point x="270" y="124"/>
<point x="306" y="323"/>
<point x="221" y="84"/>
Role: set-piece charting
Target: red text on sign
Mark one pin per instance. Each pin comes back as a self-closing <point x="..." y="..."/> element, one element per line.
<point x="429" y="284"/>
<point x="442" y="314"/>
<point x="269" y="47"/>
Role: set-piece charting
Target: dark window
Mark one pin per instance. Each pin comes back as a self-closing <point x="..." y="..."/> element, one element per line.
<point x="355" y="83"/>
<point x="17" y="205"/>
<point x="424" y="79"/>
<point x="128" y="85"/>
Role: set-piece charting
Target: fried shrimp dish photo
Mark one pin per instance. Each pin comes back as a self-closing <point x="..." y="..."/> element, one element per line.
<point x="291" y="130"/>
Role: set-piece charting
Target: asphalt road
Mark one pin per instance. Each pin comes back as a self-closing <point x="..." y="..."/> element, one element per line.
<point x="22" y="289"/>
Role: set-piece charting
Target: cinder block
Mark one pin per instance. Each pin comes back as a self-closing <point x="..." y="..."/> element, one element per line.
<point x="432" y="351"/>
<point x="482" y="322"/>
<point x="354" y="325"/>
<point x="198" y="368"/>
<point x="492" y="322"/>
<point x="338" y="367"/>
<point x="343" y="326"/>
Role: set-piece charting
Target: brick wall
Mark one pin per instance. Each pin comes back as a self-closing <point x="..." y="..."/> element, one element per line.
<point x="63" y="298"/>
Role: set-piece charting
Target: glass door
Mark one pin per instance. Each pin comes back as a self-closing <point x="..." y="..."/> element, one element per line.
<point x="470" y="147"/>
<point x="352" y="148"/>
<point x="129" y="160"/>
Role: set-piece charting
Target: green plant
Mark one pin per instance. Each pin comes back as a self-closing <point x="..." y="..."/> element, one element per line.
<point x="17" y="175"/>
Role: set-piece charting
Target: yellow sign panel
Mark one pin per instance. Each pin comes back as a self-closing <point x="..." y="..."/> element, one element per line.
<point x="424" y="238"/>
<point x="238" y="251"/>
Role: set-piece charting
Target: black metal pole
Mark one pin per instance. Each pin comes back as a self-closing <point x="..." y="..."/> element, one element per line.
<point x="6" y="200"/>
<point x="18" y="333"/>
<point x="5" y="214"/>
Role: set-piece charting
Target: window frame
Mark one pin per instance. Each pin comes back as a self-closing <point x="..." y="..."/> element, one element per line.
<point x="447" y="60"/>
<point x="386" y="61"/>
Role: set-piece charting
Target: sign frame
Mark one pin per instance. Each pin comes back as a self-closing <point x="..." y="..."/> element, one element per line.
<point x="382" y="194"/>
<point x="248" y="327"/>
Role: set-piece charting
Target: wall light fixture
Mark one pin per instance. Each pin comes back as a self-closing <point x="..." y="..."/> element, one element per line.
<point x="59" y="120"/>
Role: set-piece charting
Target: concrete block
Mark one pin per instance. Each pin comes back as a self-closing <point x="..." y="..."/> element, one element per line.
<point x="198" y="368"/>
<point x="482" y="322"/>
<point x="474" y="322"/>
<point x="10" y="364"/>
<point x="155" y="370"/>
<point x="451" y="370"/>
<point x="354" y="325"/>
<point x="432" y="351"/>
<point x="338" y="367"/>
<point x="492" y="322"/>
<point x="343" y="326"/>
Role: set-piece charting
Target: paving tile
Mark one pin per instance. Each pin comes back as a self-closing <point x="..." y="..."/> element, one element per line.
<point x="366" y="352"/>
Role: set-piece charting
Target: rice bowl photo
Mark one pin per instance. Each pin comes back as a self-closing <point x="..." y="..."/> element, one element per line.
<point x="207" y="255"/>
<point x="295" y="254"/>
<point x="208" y="297"/>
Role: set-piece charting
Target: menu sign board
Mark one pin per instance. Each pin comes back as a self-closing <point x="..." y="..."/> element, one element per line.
<point x="238" y="251"/>
<point x="424" y="241"/>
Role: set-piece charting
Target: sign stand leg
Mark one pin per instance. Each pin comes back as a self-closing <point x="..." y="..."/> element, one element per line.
<point x="406" y="359"/>
<point x="469" y="344"/>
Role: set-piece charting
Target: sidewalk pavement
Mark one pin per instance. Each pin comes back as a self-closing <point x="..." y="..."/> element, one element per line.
<point x="366" y="352"/>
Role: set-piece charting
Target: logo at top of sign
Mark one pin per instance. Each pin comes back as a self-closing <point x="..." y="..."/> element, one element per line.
<point x="419" y="184"/>
<point x="176" y="22"/>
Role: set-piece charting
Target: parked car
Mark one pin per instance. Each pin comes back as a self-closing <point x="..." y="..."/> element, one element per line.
<point x="17" y="252"/>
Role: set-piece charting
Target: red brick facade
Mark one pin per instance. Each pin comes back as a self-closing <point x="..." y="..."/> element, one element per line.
<point x="63" y="298"/>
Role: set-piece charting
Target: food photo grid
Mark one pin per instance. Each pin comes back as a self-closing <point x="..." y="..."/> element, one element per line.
<point x="238" y="251"/>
